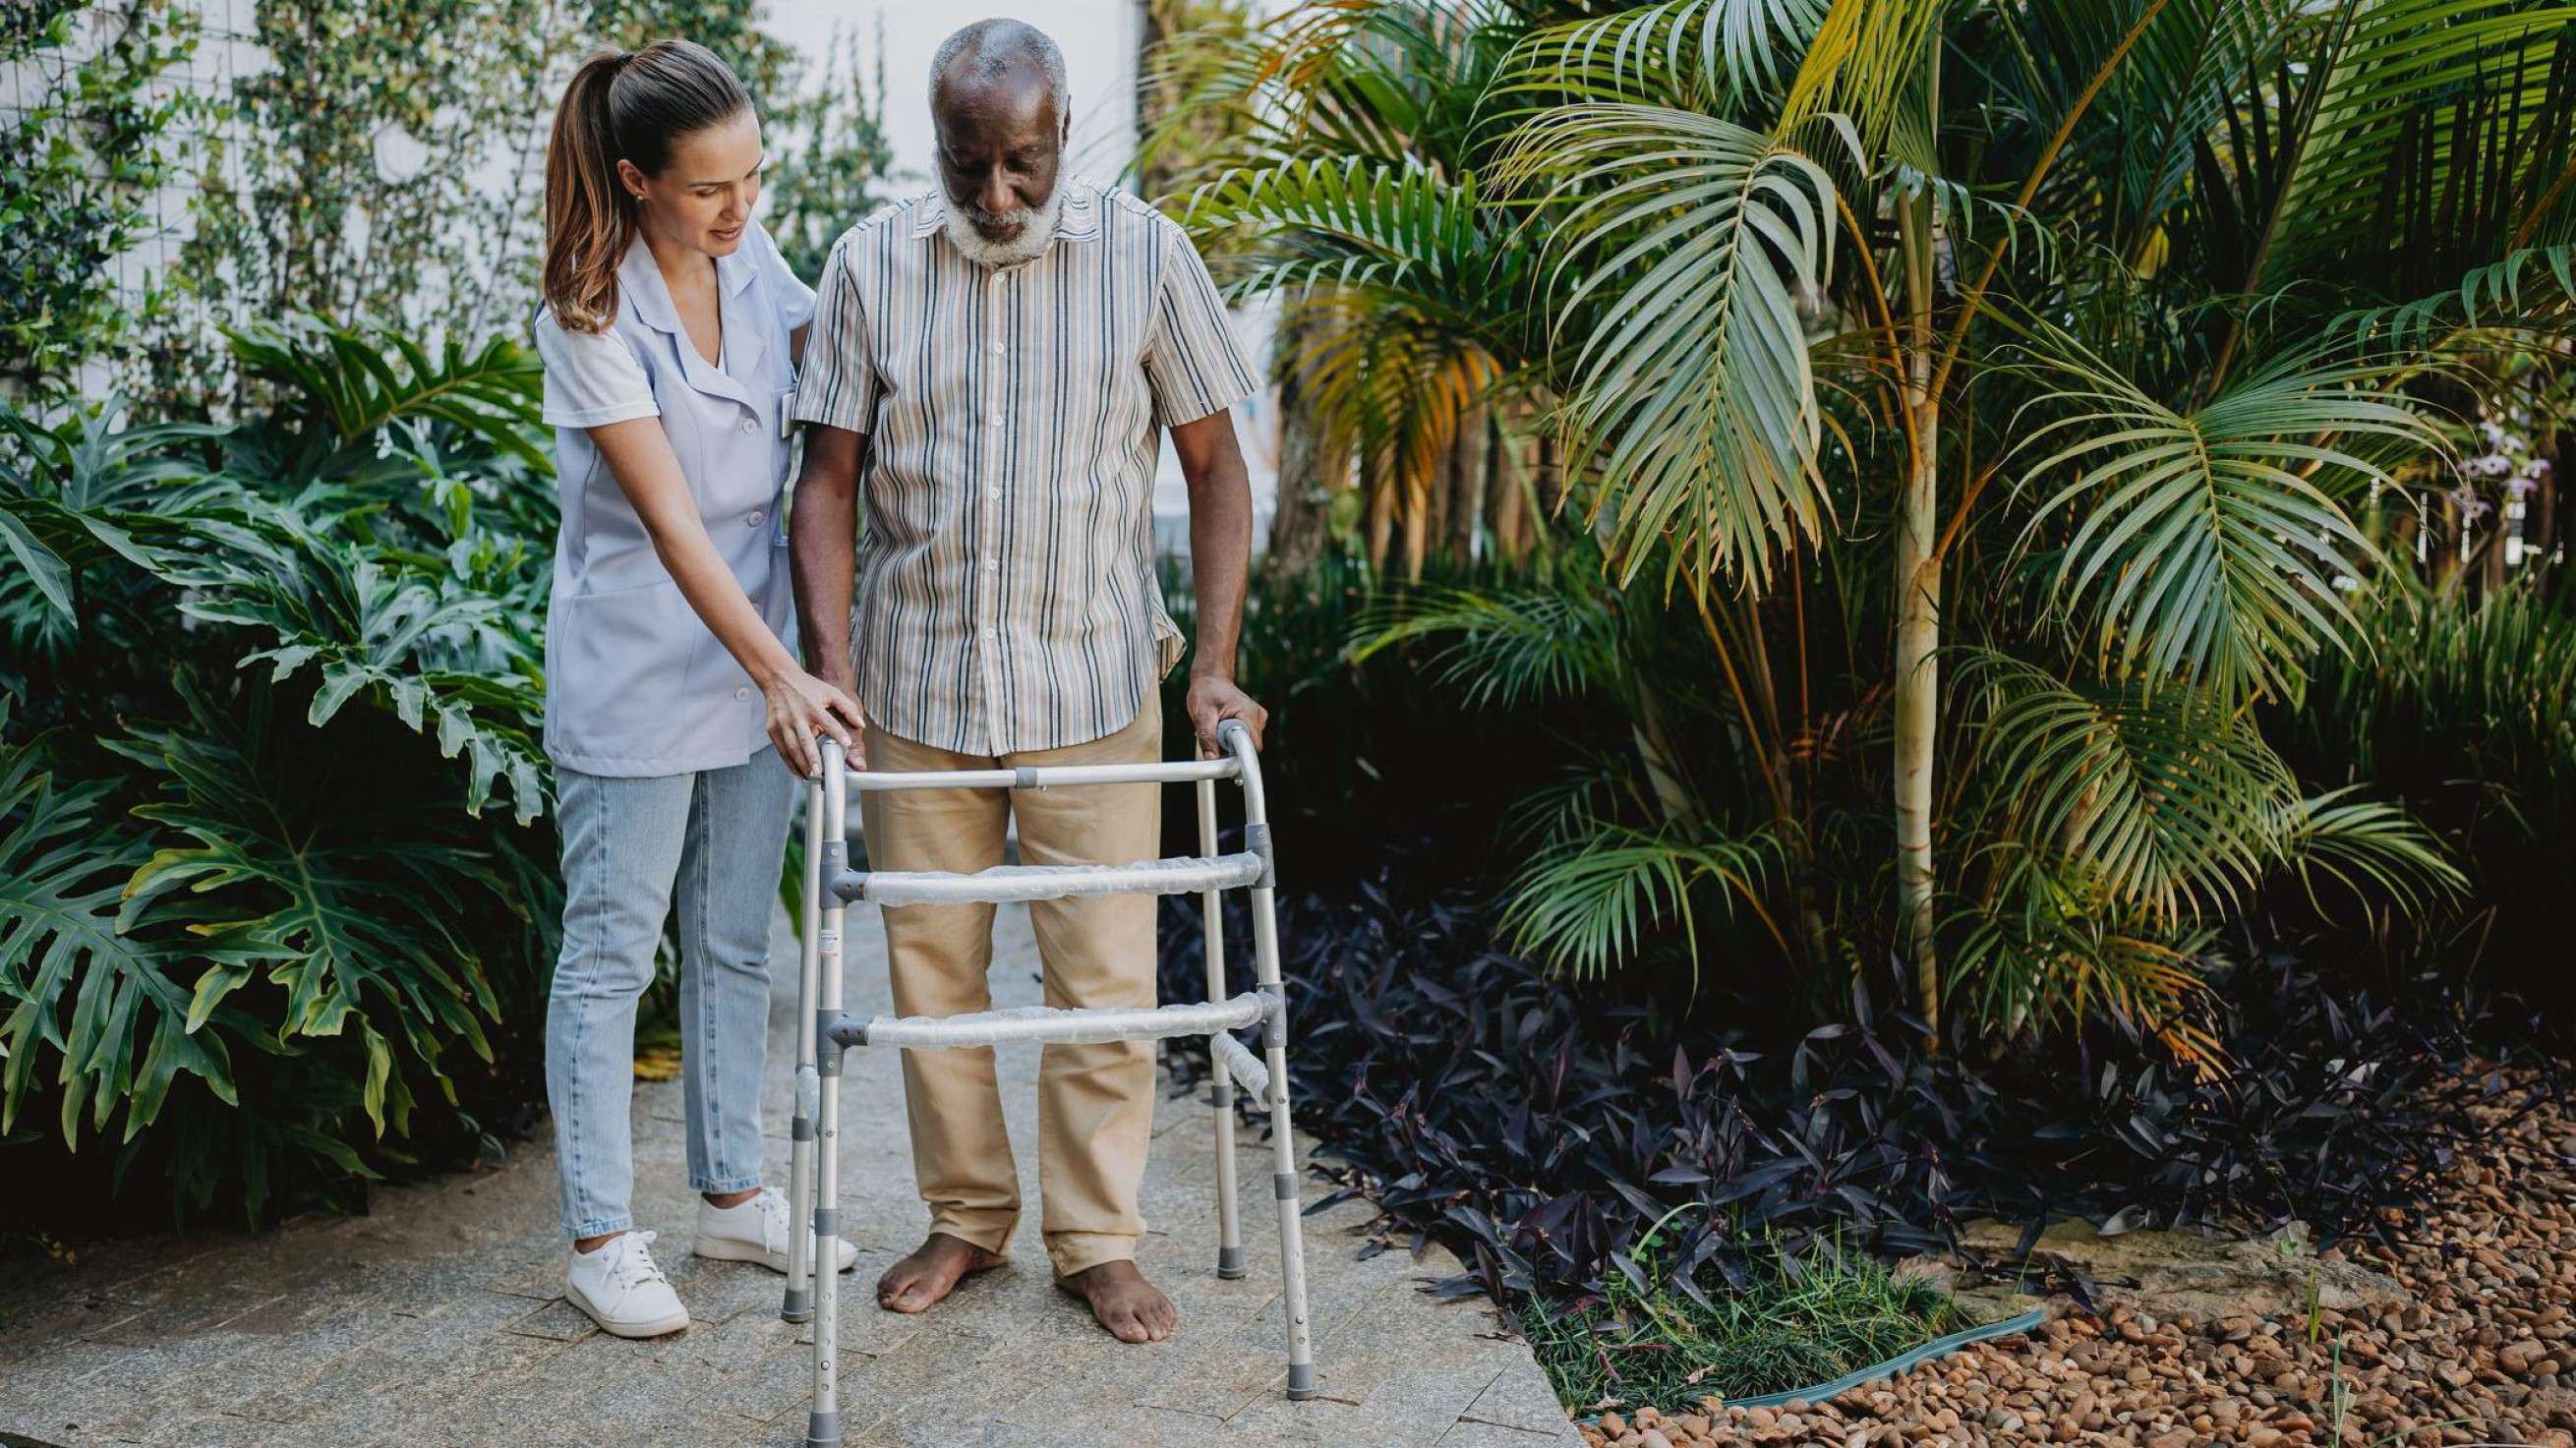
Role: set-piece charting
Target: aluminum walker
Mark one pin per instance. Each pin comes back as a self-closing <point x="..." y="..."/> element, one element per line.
<point x="824" y="1030"/>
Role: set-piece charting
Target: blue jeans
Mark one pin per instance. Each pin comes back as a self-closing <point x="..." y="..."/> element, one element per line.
<point x="719" y="836"/>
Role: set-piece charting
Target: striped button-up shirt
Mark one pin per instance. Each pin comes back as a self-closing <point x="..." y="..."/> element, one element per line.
<point x="1006" y="597"/>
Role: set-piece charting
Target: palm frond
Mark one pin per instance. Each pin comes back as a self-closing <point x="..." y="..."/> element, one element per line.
<point x="1716" y="56"/>
<point x="2204" y="543"/>
<point x="2533" y="290"/>
<point x="1350" y="223"/>
<point x="1509" y="649"/>
<point x="1588" y="903"/>
<point x="2046" y="953"/>
<point x="2165" y="798"/>
<point x="2443" y="123"/>
<point x="2376" y="850"/>
<point x="1866" y="64"/>
<point x="1690" y="244"/>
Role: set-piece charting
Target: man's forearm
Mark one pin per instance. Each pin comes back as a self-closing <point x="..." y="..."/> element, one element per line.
<point x="1220" y="551"/>
<point x="822" y="550"/>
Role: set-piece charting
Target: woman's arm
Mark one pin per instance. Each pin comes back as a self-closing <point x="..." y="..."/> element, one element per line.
<point x="638" y="453"/>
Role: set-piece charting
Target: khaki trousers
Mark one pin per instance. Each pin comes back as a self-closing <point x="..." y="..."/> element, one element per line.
<point x="1095" y="1102"/>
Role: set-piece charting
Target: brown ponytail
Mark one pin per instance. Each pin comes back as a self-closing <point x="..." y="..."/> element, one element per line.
<point x="621" y="105"/>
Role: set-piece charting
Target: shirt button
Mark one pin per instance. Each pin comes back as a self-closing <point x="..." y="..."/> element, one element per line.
<point x="752" y="519"/>
<point x="750" y="425"/>
<point x="988" y="632"/>
<point x="742" y="693"/>
<point x="992" y="492"/>
<point x="992" y="567"/>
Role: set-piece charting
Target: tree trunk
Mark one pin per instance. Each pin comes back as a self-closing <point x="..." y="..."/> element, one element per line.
<point x="1918" y="621"/>
<point x="1381" y="512"/>
<point x="1505" y="484"/>
<point x="1426" y="514"/>
<point x="1467" y="486"/>
<point x="1301" y="522"/>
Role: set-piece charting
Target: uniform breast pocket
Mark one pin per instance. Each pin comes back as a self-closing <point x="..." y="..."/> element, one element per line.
<point x="619" y="693"/>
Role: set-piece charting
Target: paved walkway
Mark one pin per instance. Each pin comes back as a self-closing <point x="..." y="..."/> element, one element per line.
<point x="436" y="1319"/>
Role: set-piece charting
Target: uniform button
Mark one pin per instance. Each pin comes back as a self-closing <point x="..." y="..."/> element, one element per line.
<point x="752" y="519"/>
<point x="749" y="425"/>
<point x="742" y="693"/>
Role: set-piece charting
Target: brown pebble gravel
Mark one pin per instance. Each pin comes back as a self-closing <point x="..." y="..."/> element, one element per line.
<point x="2487" y="1354"/>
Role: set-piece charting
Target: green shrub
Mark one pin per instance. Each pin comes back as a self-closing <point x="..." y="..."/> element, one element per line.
<point x="261" y="931"/>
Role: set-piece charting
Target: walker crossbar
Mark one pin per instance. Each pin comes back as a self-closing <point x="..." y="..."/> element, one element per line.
<point x="824" y="1031"/>
<point x="1050" y="1025"/>
<point x="1047" y="776"/>
<point x="1186" y="875"/>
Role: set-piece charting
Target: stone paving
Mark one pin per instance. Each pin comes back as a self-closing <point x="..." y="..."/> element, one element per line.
<point x="437" y="1319"/>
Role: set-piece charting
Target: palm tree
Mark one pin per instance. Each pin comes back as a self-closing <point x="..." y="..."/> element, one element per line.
<point x="1802" y="279"/>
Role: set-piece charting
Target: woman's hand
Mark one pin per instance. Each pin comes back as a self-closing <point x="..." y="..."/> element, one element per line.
<point x="802" y="706"/>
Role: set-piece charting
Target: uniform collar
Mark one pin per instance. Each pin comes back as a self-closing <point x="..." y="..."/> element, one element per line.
<point x="640" y="285"/>
<point x="1077" y="220"/>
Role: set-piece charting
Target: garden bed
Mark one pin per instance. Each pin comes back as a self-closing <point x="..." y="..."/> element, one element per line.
<point x="2483" y="1352"/>
<point x="1637" y="1173"/>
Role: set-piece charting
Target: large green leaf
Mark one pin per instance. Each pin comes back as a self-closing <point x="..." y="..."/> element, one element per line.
<point x="382" y="632"/>
<point x="364" y="885"/>
<point x="359" y="379"/>
<point x="112" y="1010"/>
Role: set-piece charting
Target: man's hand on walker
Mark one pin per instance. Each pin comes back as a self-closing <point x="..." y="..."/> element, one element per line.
<point x="802" y="708"/>
<point x="1214" y="699"/>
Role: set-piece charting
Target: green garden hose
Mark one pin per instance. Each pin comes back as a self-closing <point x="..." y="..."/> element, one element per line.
<point x="1939" y="1347"/>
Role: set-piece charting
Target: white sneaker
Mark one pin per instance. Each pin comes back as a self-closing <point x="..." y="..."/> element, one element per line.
<point x="755" y="1230"/>
<point x="623" y="1291"/>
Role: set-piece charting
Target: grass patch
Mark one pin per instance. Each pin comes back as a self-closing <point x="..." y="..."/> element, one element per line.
<point x="1794" y="1321"/>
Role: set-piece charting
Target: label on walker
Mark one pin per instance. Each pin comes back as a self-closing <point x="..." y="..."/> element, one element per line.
<point x="827" y="942"/>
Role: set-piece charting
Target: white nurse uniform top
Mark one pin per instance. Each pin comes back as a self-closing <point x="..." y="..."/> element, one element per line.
<point x="636" y="684"/>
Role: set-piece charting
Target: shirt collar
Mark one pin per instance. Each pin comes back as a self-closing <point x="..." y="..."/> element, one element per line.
<point x="1077" y="220"/>
<point x="640" y="286"/>
<point x="639" y="281"/>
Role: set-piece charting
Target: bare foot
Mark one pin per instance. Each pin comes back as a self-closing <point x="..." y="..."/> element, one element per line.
<point x="1133" y="1309"/>
<point x="932" y="1272"/>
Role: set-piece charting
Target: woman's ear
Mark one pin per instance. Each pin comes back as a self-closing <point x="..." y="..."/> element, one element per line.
<point x="630" y="178"/>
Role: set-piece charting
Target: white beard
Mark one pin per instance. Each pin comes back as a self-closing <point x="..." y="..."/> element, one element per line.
<point x="1037" y="227"/>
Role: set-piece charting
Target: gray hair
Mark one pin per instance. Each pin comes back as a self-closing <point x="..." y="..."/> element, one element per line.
<point x="988" y="48"/>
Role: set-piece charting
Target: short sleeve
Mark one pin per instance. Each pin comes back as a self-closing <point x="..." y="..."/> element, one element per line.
<point x="839" y="386"/>
<point x="1191" y="357"/>
<point x="795" y="299"/>
<point x="592" y="378"/>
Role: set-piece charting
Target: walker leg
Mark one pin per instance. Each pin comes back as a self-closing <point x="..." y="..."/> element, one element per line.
<point x="799" y="1304"/>
<point x="823" y="1422"/>
<point x="1229" y="1250"/>
<point x="1283" y="1138"/>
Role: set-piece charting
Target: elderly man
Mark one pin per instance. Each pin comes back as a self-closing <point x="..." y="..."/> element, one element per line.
<point x="994" y="360"/>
